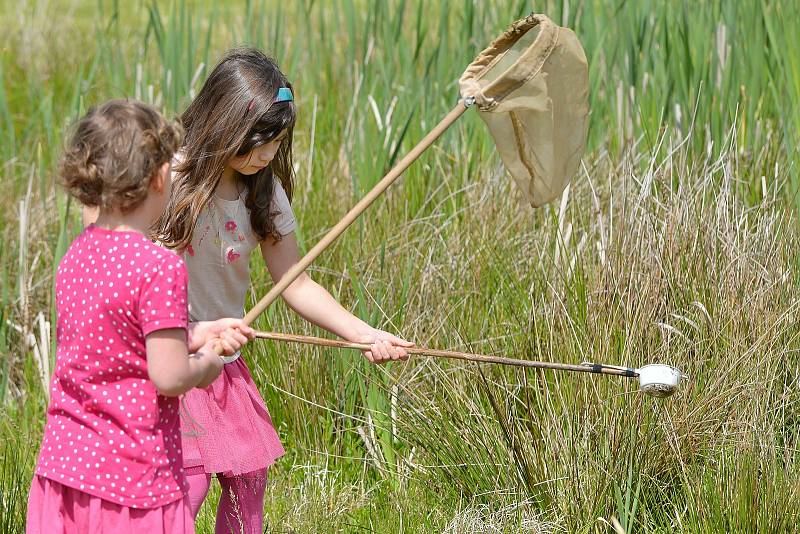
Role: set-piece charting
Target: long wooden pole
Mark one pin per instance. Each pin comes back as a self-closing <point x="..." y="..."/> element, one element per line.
<point x="351" y="216"/>
<point x="589" y="368"/>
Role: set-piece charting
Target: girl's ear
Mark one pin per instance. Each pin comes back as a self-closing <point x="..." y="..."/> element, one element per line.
<point x="160" y="178"/>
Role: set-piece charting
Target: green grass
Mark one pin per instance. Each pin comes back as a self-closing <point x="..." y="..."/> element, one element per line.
<point x="677" y="243"/>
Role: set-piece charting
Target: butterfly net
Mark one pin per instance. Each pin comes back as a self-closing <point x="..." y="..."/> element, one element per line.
<point x="530" y="87"/>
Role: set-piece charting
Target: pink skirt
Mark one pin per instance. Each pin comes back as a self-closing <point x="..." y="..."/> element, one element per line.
<point x="57" y="509"/>
<point x="226" y="427"/>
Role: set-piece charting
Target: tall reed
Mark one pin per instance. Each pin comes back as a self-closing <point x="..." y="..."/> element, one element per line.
<point x="676" y="243"/>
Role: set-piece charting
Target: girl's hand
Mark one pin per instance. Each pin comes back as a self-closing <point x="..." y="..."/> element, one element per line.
<point x="202" y="332"/>
<point x="385" y="346"/>
<point x="232" y="339"/>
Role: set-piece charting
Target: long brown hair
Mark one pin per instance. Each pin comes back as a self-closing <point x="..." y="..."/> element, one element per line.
<point x="234" y="112"/>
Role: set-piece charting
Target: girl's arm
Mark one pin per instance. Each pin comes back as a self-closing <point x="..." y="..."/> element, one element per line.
<point x="172" y="369"/>
<point x="175" y="368"/>
<point x="312" y="302"/>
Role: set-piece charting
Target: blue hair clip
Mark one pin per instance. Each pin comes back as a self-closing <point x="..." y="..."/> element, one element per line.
<point x="284" y="95"/>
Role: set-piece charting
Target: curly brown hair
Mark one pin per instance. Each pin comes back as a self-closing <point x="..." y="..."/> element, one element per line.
<point x="114" y="152"/>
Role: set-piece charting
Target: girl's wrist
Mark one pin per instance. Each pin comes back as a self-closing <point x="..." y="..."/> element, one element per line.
<point x="359" y="331"/>
<point x="195" y="335"/>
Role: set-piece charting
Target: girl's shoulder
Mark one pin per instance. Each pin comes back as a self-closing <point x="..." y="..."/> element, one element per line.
<point x="283" y="218"/>
<point x="280" y="201"/>
<point x="164" y="257"/>
<point x="279" y="193"/>
<point x="144" y="254"/>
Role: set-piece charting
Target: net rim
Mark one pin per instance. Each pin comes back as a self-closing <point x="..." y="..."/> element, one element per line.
<point x="520" y="72"/>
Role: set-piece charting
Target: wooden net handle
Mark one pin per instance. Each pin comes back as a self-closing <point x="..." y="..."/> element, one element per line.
<point x="482" y="358"/>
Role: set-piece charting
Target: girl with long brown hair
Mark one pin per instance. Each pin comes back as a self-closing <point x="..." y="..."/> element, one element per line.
<point x="232" y="191"/>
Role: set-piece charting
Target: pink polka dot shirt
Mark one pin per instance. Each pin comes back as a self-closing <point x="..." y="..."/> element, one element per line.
<point x="109" y="433"/>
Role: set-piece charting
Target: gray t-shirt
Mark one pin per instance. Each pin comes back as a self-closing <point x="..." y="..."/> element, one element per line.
<point x="218" y="259"/>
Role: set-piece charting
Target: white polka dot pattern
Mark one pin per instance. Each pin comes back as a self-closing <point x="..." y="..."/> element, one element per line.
<point x="108" y="432"/>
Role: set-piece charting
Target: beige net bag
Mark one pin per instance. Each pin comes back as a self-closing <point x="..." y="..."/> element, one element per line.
<point x="530" y="87"/>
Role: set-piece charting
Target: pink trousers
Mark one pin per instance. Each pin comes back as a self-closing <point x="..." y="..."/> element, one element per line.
<point x="241" y="505"/>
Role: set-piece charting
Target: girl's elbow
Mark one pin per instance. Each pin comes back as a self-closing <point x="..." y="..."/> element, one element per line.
<point x="298" y="288"/>
<point x="170" y="386"/>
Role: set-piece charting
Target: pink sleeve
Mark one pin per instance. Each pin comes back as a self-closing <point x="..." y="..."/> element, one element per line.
<point x="162" y="300"/>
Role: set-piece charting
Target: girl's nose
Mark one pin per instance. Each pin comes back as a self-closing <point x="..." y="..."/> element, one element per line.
<point x="267" y="153"/>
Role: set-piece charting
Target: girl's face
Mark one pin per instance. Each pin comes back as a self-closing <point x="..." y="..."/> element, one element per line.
<point x="259" y="157"/>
